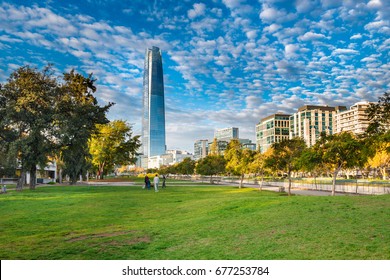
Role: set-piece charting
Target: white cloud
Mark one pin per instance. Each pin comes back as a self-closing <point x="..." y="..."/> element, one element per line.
<point x="304" y="6"/>
<point x="252" y="34"/>
<point x="375" y="4"/>
<point x="290" y="50"/>
<point x="272" y="28"/>
<point x="270" y="14"/>
<point x="198" y="10"/>
<point x="311" y="36"/>
<point x="345" y="52"/>
<point x="356" y="37"/>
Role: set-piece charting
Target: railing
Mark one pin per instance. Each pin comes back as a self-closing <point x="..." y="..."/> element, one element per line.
<point x="343" y="186"/>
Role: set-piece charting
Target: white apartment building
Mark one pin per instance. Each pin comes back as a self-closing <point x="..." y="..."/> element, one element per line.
<point x="354" y="120"/>
<point x="311" y="120"/>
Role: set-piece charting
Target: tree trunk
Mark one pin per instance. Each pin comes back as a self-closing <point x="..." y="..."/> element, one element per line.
<point x="382" y="170"/>
<point x="242" y="179"/>
<point x="336" y="171"/>
<point x="261" y="183"/>
<point x="60" y="176"/>
<point x="33" y="177"/>
<point x="21" y="181"/>
<point x="289" y="183"/>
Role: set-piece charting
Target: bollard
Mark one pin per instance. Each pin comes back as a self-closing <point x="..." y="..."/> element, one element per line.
<point x="4" y="189"/>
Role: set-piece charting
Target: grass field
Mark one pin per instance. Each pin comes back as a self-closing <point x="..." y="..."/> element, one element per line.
<point x="190" y="221"/>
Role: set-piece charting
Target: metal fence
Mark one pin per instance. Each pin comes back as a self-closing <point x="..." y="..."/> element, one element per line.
<point x="343" y="186"/>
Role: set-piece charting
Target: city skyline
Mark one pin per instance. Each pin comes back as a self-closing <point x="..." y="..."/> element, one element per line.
<point x="227" y="63"/>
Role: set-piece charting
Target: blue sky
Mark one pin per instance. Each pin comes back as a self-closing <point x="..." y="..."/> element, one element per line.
<point x="226" y="62"/>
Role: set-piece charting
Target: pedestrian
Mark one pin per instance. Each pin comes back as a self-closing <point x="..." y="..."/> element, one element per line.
<point x="147" y="182"/>
<point x="156" y="180"/>
<point x="163" y="182"/>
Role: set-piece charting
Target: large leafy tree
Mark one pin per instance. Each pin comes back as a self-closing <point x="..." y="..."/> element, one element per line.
<point x="285" y="157"/>
<point x="238" y="160"/>
<point x="42" y="117"/>
<point x="186" y="167"/>
<point x="78" y="114"/>
<point x="211" y="165"/>
<point x="340" y="151"/>
<point x="27" y="103"/>
<point x="113" y="144"/>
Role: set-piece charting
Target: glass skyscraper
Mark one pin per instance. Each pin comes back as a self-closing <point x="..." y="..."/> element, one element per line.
<point x="153" y="114"/>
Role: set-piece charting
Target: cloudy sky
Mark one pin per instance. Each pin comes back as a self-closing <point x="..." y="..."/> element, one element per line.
<point x="226" y="62"/>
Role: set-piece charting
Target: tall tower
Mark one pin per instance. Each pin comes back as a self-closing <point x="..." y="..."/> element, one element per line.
<point x="153" y="113"/>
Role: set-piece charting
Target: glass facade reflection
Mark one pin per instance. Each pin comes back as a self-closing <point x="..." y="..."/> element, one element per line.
<point x="153" y="116"/>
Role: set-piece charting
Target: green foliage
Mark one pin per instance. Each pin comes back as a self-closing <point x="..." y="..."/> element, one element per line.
<point x="238" y="160"/>
<point x="113" y="144"/>
<point x="41" y="117"/>
<point x="379" y="115"/>
<point x="186" y="167"/>
<point x="211" y="165"/>
<point x="79" y="113"/>
<point x="27" y="116"/>
<point x="285" y="157"/>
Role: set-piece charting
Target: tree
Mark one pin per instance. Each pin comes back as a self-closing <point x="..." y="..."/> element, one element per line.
<point x="258" y="165"/>
<point x="214" y="148"/>
<point x="186" y="167"/>
<point x="340" y="151"/>
<point x="285" y="157"/>
<point x="381" y="158"/>
<point x="379" y="115"/>
<point x="211" y="165"/>
<point x="238" y="160"/>
<point x="311" y="160"/>
<point x="112" y="145"/>
<point x="78" y="113"/>
<point x="27" y="103"/>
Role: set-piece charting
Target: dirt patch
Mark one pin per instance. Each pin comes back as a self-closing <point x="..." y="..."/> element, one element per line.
<point x="135" y="240"/>
<point x="100" y="235"/>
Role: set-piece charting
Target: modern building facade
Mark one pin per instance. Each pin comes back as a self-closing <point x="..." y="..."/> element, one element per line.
<point x="354" y="120"/>
<point x="311" y="120"/>
<point x="226" y="134"/>
<point x="201" y="149"/>
<point x="272" y="129"/>
<point x="153" y="113"/>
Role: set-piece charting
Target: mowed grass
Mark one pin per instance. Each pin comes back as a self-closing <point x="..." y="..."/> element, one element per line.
<point x="190" y="221"/>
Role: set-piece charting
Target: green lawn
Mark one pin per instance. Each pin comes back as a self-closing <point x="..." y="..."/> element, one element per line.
<point x="190" y="221"/>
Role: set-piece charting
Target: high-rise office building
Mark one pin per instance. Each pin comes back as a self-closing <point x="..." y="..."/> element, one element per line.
<point x="153" y="114"/>
<point x="272" y="129"/>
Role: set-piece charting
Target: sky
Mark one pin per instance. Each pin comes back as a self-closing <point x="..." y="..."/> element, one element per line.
<point x="227" y="63"/>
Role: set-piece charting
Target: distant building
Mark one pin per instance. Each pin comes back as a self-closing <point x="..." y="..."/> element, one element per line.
<point x="178" y="156"/>
<point x="354" y="120"/>
<point x="201" y="149"/>
<point x="251" y="146"/>
<point x="311" y="120"/>
<point x="170" y="158"/>
<point x="272" y="129"/>
<point x="226" y="134"/>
